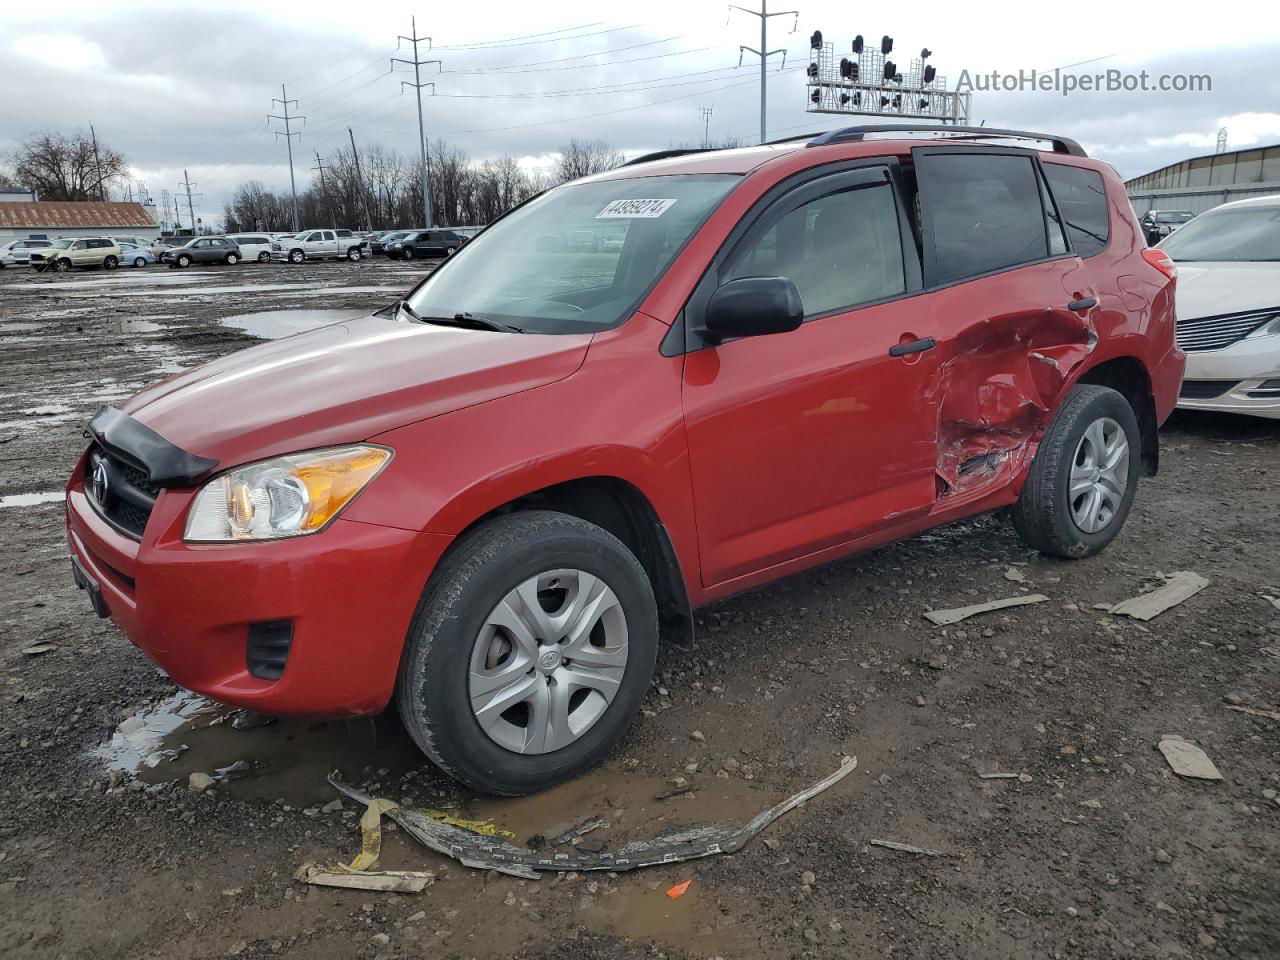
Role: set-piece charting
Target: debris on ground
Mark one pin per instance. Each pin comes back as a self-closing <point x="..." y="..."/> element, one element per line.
<point x="1020" y="777"/>
<point x="1177" y="587"/>
<point x="942" y="618"/>
<point x="199" y="782"/>
<point x="495" y="853"/>
<point x="906" y="848"/>
<point x="1015" y="575"/>
<point x="38" y="648"/>
<point x="1188" y="760"/>
<point x="674" y="792"/>
<point x="485" y="828"/>
<point x="581" y="830"/>
<point x="1255" y="712"/>
<point x="677" y="891"/>
<point x="385" y="881"/>
<point x="1274" y="601"/>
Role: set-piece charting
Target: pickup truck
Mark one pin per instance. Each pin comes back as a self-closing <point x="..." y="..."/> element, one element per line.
<point x="318" y="245"/>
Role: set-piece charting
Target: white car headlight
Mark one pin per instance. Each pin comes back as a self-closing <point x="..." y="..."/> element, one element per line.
<point x="288" y="496"/>
<point x="397" y="244"/>
<point x="1269" y="329"/>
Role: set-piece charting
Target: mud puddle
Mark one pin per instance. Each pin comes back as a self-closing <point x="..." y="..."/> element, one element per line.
<point x="32" y="499"/>
<point x="134" y="326"/>
<point x="273" y="324"/>
<point x="254" y="757"/>
<point x="153" y="279"/>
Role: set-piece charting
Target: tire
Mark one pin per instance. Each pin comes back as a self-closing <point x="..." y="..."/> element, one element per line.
<point x="62" y="266"/>
<point x="408" y="253"/>
<point x="231" y="259"/>
<point x="449" y="251"/>
<point x="296" y="256"/>
<point x="264" y="257"/>
<point x="139" y="261"/>
<point x="183" y="260"/>
<point x="110" y="263"/>
<point x="1047" y="516"/>
<point x="354" y="254"/>
<point x="452" y="628"/>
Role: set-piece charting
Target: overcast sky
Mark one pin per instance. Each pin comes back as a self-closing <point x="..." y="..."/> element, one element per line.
<point x="176" y="87"/>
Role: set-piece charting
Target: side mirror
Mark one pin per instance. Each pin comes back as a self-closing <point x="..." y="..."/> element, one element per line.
<point x="754" y="306"/>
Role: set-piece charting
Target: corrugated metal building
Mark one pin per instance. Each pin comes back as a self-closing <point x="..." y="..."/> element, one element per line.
<point x="50" y="219"/>
<point x="1202" y="183"/>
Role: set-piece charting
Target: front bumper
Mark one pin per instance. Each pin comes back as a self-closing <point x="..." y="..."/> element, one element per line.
<point x="1241" y="371"/>
<point x="349" y="592"/>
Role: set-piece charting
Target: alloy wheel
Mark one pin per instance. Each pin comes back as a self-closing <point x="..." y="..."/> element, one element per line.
<point x="1099" y="475"/>
<point x="548" y="661"/>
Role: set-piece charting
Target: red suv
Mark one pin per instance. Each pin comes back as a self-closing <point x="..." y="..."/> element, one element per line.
<point x="491" y="500"/>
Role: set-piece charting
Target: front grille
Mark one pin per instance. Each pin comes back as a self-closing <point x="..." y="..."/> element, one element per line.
<point x="1204" y="389"/>
<point x="1267" y="389"/>
<point x="128" y="495"/>
<point x="1214" y="333"/>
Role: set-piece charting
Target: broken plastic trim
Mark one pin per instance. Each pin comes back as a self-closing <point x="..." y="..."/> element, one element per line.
<point x="495" y="853"/>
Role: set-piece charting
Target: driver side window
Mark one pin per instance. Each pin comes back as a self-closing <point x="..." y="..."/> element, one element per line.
<point x="840" y="249"/>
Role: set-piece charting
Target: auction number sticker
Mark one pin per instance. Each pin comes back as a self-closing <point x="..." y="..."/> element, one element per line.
<point x="634" y="209"/>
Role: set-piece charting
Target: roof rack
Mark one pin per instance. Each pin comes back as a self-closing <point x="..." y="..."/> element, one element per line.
<point x="664" y="154"/>
<point x="853" y="134"/>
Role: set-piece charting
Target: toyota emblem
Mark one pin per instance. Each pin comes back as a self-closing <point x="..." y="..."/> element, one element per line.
<point x="100" y="481"/>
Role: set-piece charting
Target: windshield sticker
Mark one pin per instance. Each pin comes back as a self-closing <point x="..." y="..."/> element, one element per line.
<point x="634" y="209"/>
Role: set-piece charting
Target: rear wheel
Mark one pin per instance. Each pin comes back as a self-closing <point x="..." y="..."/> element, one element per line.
<point x="232" y="259"/>
<point x="1084" y="477"/>
<point x="296" y="256"/>
<point x="110" y="263"/>
<point x="264" y="257"/>
<point x="530" y="653"/>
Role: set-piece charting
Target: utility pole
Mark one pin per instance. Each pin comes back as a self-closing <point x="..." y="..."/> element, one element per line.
<point x="288" y="135"/>
<point x="764" y="53"/>
<point x="364" y="194"/>
<point x="186" y="180"/>
<point x="319" y="168"/>
<point x="97" y="162"/>
<point x="418" y="85"/>
<point x="705" y="114"/>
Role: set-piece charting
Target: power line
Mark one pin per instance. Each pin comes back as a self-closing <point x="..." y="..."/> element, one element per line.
<point x="288" y="139"/>
<point x="417" y="84"/>
<point x="764" y="53"/>
<point x="492" y="44"/>
<point x="581" y="56"/>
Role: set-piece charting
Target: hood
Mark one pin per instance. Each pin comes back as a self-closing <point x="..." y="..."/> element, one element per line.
<point x="1213" y="289"/>
<point x="344" y="383"/>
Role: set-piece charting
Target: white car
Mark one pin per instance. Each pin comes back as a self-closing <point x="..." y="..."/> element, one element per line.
<point x="18" y="252"/>
<point x="1229" y="307"/>
<point x="316" y="245"/>
<point x="253" y="246"/>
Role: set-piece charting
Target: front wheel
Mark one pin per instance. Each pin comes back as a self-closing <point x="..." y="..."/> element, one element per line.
<point x="408" y="253"/>
<point x="184" y="261"/>
<point x="530" y="653"/>
<point x="110" y="263"/>
<point x="264" y="257"/>
<point x="63" y="265"/>
<point x="354" y="254"/>
<point x="139" y="261"/>
<point x="296" y="256"/>
<point x="1082" y="482"/>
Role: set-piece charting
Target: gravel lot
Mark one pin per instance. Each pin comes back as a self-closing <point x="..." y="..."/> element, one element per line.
<point x="1099" y="850"/>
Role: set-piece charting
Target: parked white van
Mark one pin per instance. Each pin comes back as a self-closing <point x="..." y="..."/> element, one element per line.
<point x="253" y="246"/>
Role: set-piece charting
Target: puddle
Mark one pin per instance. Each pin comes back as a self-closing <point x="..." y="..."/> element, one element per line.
<point x="286" y="759"/>
<point x="298" y="289"/>
<point x="134" y="326"/>
<point x="18" y="327"/>
<point x="152" y="279"/>
<point x="272" y="324"/>
<point x="32" y="499"/>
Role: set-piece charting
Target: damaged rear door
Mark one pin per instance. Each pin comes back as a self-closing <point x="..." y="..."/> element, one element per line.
<point x="1012" y="302"/>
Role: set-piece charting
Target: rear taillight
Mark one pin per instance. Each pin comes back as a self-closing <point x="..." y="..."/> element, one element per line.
<point x="1161" y="261"/>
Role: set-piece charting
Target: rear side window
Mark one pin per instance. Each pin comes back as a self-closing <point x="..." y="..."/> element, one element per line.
<point x="1082" y="200"/>
<point x="984" y="213"/>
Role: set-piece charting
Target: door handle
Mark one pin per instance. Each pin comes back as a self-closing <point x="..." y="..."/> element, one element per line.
<point x="1084" y="303"/>
<point x="914" y="346"/>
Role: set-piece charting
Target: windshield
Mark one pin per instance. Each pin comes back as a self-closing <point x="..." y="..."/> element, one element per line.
<point x="1176" y="216"/>
<point x="61" y="244"/>
<point x="546" y="268"/>
<point x="1228" y="235"/>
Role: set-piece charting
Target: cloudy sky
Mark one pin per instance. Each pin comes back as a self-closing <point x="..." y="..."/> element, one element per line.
<point x="177" y="86"/>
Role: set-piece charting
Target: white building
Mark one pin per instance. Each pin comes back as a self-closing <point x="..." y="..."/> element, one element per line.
<point x="51" y="219"/>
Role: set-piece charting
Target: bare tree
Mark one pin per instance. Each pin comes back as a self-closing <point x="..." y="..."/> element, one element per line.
<point x="61" y="167"/>
<point x="581" y="158"/>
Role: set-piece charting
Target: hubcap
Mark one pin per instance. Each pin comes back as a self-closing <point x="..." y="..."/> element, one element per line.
<point x="548" y="661"/>
<point x="1099" y="475"/>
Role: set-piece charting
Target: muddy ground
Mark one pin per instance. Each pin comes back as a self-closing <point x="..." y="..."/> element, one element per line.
<point x="1099" y="850"/>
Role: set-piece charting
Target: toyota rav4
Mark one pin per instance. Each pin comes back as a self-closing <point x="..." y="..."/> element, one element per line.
<point x="490" y="501"/>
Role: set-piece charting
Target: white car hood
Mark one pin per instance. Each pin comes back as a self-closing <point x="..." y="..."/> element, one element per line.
<point x="1212" y="289"/>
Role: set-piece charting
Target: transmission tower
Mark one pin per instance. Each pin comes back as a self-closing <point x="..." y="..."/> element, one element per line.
<point x="288" y="135"/>
<point x="764" y="53"/>
<point x="417" y="84"/>
<point x="186" y="186"/>
<point x="704" y="113"/>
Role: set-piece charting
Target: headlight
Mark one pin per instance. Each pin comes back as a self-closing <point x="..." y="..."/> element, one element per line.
<point x="289" y="496"/>
<point x="394" y="245"/>
<point x="1269" y="329"/>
